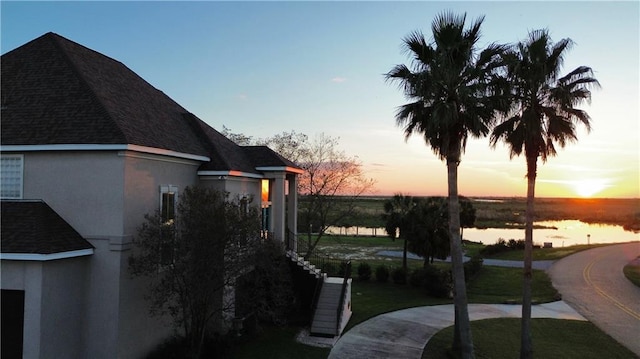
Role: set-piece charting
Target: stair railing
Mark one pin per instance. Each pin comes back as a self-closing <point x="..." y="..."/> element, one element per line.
<point x="343" y="292"/>
<point x="326" y="265"/>
<point x="319" y="259"/>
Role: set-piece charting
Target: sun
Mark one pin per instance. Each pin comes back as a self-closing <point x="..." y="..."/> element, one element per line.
<point x="587" y="188"/>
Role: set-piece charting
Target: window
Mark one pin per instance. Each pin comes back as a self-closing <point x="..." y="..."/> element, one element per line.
<point x="11" y="172"/>
<point x="168" y="201"/>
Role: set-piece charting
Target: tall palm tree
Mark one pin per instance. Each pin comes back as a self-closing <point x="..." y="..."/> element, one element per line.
<point x="544" y="115"/>
<point x="450" y="87"/>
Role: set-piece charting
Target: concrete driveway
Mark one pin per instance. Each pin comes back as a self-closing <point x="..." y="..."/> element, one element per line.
<point x="593" y="284"/>
<point x="403" y="334"/>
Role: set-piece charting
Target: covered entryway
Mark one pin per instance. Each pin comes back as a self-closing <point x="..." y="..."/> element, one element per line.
<point x="12" y="303"/>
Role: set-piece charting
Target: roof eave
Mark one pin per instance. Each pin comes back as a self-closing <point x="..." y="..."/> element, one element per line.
<point x="41" y="257"/>
<point x="102" y="147"/>
<point x="288" y="169"/>
<point x="230" y="173"/>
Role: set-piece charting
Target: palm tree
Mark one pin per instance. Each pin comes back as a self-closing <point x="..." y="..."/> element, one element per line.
<point x="544" y="115"/>
<point x="428" y="235"/>
<point x="451" y="89"/>
<point x="395" y="216"/>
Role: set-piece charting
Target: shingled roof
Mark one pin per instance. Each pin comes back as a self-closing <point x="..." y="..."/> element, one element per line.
<point x="58" y="92"/>
<point x="263" y="156"/>
<point x="32" y="227"/>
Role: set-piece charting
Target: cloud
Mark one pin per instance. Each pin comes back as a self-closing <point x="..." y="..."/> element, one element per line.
<point x="338" y="79"/>
<point x="242" y="96"/>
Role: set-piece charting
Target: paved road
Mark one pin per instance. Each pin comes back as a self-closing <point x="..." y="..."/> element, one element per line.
<point x="592" y="282"/>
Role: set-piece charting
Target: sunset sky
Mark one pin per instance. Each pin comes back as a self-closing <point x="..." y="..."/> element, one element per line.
<point x="261" y="68"/>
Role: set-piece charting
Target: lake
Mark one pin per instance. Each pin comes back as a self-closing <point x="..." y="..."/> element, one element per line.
<point x="568" y="232"/>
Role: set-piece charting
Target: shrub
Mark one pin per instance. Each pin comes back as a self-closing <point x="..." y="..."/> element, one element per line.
<point x="382" y="273"/>
<point x="178" y="347"/>
<point x="498" y="247"/>
<point x="472" y="268"/>
<point x="329" y="268"/>
<point x="437" y="282"/>
<point x="399" y="275"/>
<point x="342" y="269"/>
<point x="364" y="271"/>
<point x="513" y="244"/>
<point x="417" y="277"/>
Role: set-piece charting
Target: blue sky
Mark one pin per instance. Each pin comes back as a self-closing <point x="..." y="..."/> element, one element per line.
<point x="261" y="68"/>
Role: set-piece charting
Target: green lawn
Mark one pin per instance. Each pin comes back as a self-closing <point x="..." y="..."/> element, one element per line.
<point x="544" y="253"/>
<point x="552" y="338"/>
<point x="370" y="298"/>
<point x="492" y="285"/>
<point x="504" y="285"/>
<point x="359" y="241"/>
<point x="276" y="343"/>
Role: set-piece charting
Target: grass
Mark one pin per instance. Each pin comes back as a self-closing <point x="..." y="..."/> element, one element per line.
<point x="504" y="285"/>
<point x="276" y="343"/>
<point x="632" y="272"/>
<point x="472" y="249"/>
<point x="544" y="253"/>
<point x="492" y="285"/>
<point x="552" y="338"/>
<point x="359" y="241"/>
<point x="370" y="298"/>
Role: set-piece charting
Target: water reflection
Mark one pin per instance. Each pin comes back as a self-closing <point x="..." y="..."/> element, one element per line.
<point x="559" y="233"/>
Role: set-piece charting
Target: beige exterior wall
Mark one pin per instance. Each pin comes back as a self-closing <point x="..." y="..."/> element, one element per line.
<point x="144" y="174"/>
<point x="50" y="286"/>
<point x="235" y="186"/>
<point x="104" y="195"/>
<point x="84" y="188"/>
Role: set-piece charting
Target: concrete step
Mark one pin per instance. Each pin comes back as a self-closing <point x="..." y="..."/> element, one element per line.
<point x="326" y="313"/>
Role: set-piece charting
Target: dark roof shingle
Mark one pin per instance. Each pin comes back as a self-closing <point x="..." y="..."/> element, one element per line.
<point x="263" y="156"/>
<point x="33" y="227"/>
<point x="56" y="91"/>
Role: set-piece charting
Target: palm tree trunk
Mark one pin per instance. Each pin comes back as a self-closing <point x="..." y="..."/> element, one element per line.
<point x="526" y="346"/>
<point x="463" y="342"/>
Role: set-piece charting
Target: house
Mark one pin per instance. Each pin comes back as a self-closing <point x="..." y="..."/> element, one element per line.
<point x="87" y="149"/>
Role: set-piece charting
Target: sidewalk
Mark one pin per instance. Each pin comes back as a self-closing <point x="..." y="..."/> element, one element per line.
<point x="404" y="333"/>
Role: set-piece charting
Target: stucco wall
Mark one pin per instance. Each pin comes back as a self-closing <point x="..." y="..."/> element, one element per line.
<point x="84" y="188"/>
<point x="54" y="305"/>
<point x="235" y="186"/>
<point x="63" y="287"/>
<point x="26" y="276"/>
<point x="144" y="174"/>
<point x="104" y="195"/>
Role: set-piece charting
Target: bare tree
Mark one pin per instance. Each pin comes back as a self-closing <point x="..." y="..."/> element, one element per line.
<point x="330" y="184"/>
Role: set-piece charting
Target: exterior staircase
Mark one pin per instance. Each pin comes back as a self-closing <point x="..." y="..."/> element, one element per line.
<point x="333" y="309"/>
<point x="331" y="304"/>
